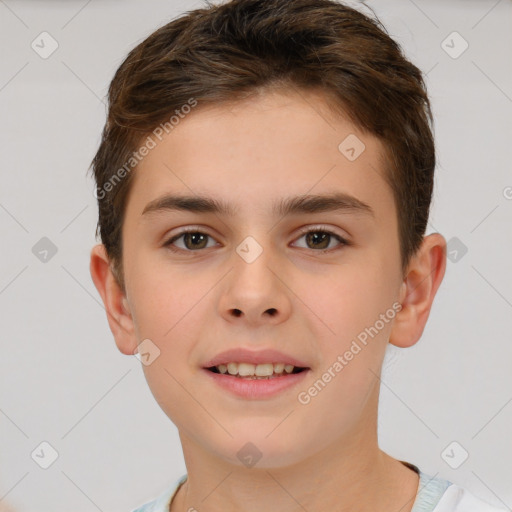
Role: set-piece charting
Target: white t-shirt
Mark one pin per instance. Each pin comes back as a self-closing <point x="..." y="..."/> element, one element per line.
<point x="434" y="495"/>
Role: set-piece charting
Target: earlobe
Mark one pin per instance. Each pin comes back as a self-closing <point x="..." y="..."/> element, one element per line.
<point x="116" y="304"/>
<point x="424" y="276"/>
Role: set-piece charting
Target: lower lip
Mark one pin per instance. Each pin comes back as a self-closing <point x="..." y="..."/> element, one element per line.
<point x="256" y="388"/>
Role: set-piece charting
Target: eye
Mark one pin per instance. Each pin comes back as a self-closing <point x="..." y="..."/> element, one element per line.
<point x="192" y="238"/>
<point x="320" y="238"/>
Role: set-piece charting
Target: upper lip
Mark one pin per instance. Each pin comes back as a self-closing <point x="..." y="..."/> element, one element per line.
<point x="243" y="355"/>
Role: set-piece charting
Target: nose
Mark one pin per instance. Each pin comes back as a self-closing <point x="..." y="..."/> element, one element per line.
<point x="255" y="292"/>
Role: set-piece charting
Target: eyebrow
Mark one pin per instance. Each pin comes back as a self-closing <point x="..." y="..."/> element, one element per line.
<point x="340" y="202"/>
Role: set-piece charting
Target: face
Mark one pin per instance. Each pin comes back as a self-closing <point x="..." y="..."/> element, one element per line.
<point x="263" y="278"/>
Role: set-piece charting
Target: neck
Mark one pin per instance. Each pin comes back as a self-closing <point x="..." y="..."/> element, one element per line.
<point x="351" y="475"/>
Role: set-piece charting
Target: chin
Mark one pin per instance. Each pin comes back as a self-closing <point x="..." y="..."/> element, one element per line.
<point x="256" y="451"/>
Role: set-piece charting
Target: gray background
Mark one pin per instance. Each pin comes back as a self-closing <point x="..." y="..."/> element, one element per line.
<point x="63" y="380"/>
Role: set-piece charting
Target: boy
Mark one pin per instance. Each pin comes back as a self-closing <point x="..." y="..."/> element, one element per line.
<point x="290" y="142"/>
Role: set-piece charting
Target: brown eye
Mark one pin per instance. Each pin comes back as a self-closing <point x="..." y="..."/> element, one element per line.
<point x="320" y="239"/>
<point x="192" y="240"/>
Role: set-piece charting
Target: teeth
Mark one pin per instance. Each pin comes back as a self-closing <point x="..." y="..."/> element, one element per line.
<point x="258" y="370"/>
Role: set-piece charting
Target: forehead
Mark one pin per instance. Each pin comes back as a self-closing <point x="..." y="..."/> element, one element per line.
<point x="251" y="154"/>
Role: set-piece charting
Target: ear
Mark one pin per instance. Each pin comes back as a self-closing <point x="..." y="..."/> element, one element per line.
<point x="116" y="304"/>
<point x="424" y="275"/>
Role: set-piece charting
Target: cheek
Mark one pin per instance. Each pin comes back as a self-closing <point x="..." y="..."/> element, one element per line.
<point x="167" y="310"/>
<point x="347" y="299"/>
<point x="163" y="300"/>
<point x="348" y="324"/>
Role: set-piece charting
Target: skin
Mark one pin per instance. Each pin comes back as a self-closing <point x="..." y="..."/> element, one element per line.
<point x="316" y="457"/>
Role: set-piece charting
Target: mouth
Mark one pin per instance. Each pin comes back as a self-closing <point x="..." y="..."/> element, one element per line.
<point x="252" y="372"/>
<point x="256" y="382"/>
<point x="256" y="375"/>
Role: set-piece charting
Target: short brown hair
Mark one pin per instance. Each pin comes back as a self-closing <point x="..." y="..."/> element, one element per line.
<point x="226" y="52"/>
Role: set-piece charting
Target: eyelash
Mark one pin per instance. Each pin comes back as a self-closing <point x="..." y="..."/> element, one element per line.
<point x="303" y="232"/>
